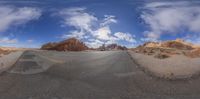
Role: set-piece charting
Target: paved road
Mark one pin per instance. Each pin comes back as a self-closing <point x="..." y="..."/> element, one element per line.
<point x="88" y="75"/>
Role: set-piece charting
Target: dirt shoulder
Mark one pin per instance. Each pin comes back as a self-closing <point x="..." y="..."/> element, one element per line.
<point x="175" y="67"/>
<point x="6" y="61"/>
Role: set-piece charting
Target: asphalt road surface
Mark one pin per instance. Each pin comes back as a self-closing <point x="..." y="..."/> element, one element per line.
<point x="88" y="75"/>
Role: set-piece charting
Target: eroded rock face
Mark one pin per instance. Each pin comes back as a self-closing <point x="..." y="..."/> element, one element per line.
<point x="71" y="44"/>
<point x="195" y="53"/>
<point x="181" y="45"/>
<point x="48" y="46"/>
<point x="177" y="44"/>
<point x="152" y="44"/>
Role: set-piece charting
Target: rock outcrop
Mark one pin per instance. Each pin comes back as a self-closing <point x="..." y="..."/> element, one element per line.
<point x="195" y="53"/>
<point x="71" y="44"/>
<point x="48" y="46"/>
<point x="166" y="49"/>
<point x="5" y="51"/>
<point x="177" y="44"/>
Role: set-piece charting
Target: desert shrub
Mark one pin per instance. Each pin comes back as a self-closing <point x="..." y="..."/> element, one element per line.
<point x="162" y="55"/>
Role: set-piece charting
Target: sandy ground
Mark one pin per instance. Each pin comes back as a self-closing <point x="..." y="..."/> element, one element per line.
<point x="177" y="66"/>
<point x="6" y="61"/>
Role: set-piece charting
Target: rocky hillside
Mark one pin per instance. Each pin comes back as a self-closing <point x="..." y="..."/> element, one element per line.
<point x="71" y="44"/>
<point x="6" y="50"/>
<point x="111" y="47"/>
<point x="168" y="48"/>
<point x="2" y="52"/>
<point x="195" y="53"/>
<point x="176" y="44"/>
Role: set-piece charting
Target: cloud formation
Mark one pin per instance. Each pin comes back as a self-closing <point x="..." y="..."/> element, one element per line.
<point x="125" y="36"/>
<point x="93" y="30"/>
<point x="8" y="40"/>
<point x="78" y="18"/>
<point x="171" y="18"/>
<point x="30" y="41"/>
<point x="12" y="16"/>
<point x="108" y="20"/>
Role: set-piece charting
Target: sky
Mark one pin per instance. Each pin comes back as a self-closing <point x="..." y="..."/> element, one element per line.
<point x="31" y="23"/>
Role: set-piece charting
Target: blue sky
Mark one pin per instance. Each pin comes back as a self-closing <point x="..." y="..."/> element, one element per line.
<point x="31" y="23"/>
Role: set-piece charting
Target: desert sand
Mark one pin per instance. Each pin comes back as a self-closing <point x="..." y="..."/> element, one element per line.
<point x="6" y="61"/>
<point x="175" y="67"/>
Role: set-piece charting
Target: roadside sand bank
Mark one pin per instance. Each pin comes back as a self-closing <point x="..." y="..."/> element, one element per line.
<point x="175" y="67"/>
<point x="6" y="61"/>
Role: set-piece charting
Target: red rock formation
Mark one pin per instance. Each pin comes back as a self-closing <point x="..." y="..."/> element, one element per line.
<point x="48" y="46"/>
<point x="71" y="44"/>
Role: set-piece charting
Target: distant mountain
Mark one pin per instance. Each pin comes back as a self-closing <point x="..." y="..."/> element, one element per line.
<point x="71" y="44"/>
<point x="111" y="47"/>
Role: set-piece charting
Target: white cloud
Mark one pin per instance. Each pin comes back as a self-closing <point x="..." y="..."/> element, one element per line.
<point x="14" y="42"/>
<point x="30" y="40"/>
<point x="78" y="18"/>
<point x="151" y="36"/>
<point x="170" y="17"/>
<point x="87" y="26"/>
<point x="192" y="38"/>
<point x="94" y="43"/>
<point x="166" y="4"/>
<point x="8" y="40"/>
<point x="11" y="16"/>
<point x="103" y="33"/>
<point x="125" y="36"/>
<point x="75" y="33"/>
<point x="108" y="20"/>
<point x="195" y="23"/>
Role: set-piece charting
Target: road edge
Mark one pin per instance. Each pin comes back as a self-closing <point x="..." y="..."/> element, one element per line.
<point x="4" y="70"/>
